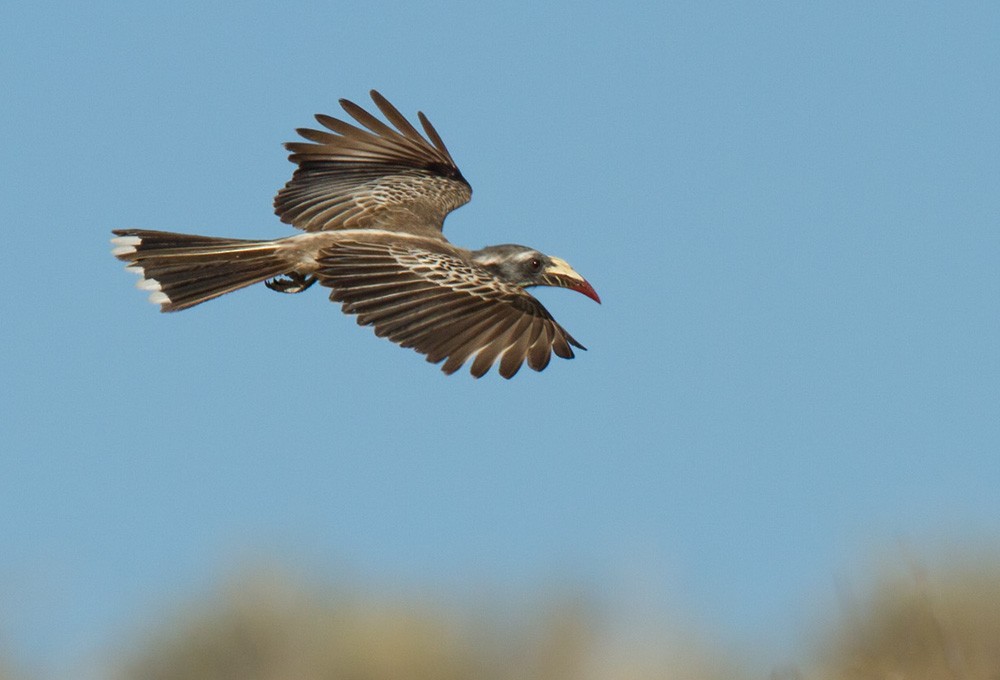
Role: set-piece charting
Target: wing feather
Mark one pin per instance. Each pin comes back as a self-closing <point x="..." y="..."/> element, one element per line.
<point x="393" y="115"/>
<point x="455" y="320"/>
<point x="501" y="340"/>
<point x="432" y="134"/>
<point x="515" y="354"/>
<point x="538" y="353"/>
<point x="368" y="120"/>
<point x="411" y="315"/>
<point x="449" y="342"/>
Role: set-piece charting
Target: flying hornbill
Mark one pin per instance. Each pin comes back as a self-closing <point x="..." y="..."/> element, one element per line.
<point x="372" y="199"/>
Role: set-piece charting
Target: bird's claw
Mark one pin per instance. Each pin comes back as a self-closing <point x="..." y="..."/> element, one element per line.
<point x="290" y="283"/>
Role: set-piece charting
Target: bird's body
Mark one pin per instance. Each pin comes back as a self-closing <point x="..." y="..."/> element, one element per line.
<point x="372" y="203"/>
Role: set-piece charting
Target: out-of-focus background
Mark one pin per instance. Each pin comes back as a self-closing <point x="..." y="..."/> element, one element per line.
<point x="778" y="458"/>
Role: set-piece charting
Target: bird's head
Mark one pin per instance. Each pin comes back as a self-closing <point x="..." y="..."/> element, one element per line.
<point x="523" y="266"/>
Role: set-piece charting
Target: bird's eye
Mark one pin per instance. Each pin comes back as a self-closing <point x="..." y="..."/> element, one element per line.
<point x="535" y="264"/>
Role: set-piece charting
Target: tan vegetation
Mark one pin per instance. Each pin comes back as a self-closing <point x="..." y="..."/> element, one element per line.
<point x="913" y="625"/>
<point x="264" y="629"/>
<point x="922" y="625"/>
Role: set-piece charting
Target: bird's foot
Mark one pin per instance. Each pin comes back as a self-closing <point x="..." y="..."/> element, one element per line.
<point x="291" y="283"/>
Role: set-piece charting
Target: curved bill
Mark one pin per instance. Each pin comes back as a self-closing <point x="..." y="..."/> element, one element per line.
<point x="560" y="274"/>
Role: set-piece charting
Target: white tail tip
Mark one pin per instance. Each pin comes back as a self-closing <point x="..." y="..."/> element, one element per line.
<point x="148" y="284"/>
<point x="156" y="296"/>
<point x="124" y="245"/>
<point x="159" y="298"/>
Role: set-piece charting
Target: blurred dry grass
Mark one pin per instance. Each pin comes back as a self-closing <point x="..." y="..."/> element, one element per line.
<point x="922" y="625"/>
<point x="266" y="629"/>
<point x="914" y="624"/>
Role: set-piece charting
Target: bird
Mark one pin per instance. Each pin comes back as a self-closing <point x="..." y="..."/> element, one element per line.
<point x="371" y="197"/>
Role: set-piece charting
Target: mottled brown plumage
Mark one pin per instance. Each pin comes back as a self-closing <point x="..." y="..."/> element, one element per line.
<point x="373" y="198"/>
<point x="378" y="177"/>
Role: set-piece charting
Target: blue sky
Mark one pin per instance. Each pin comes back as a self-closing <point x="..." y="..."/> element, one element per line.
<point x="789" y="210"/>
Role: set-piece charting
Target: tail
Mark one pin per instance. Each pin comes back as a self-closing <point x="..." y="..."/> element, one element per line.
<point x="182" y="270"/>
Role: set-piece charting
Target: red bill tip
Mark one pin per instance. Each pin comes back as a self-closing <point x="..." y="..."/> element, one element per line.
<point x="588" y="290"/>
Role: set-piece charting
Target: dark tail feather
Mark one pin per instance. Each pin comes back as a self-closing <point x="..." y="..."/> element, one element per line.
<point x="182" y="270"/>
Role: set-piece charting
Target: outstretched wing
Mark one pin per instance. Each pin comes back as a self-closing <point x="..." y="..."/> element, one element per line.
<point x="373" y="176"/>
<point x="442" y="306"/>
